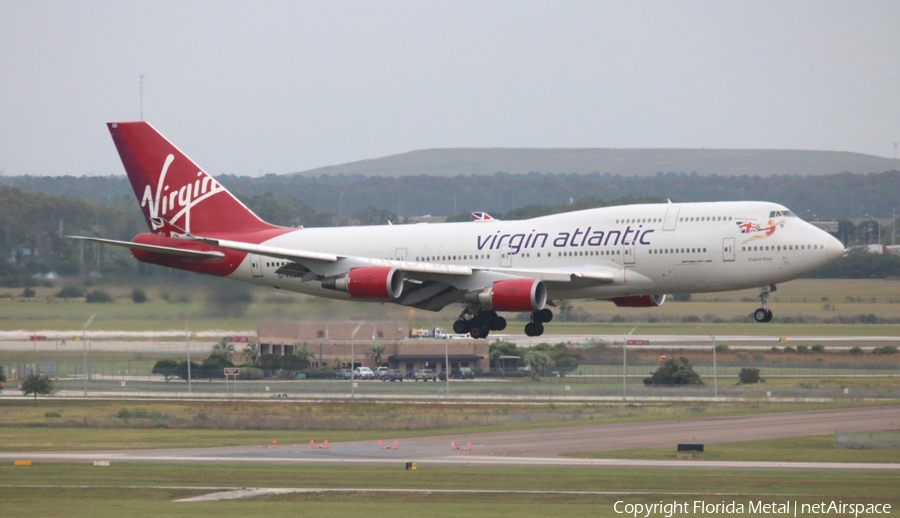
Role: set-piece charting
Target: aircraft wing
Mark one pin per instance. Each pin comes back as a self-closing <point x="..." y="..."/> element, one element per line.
<point x="165" y="250"/>
<point x="601" y="274"/>
<point x="427" y="285"/>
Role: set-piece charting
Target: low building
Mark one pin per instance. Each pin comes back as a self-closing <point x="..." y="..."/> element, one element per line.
<point x="344" y="343"/>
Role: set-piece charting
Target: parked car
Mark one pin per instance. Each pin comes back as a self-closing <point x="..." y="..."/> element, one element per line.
<point x="391" y="375"/>
<point x="462" y="373"/>
<point x="342" y="374"/>
<point x="380" y="371"/>
<point x="425" y="375"/>
<point x="364" y="373"/>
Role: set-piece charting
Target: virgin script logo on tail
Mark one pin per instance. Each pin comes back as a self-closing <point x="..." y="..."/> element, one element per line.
<point x="178" y="200"/>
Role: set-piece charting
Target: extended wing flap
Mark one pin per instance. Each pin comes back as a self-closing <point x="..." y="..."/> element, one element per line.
<point x="269" y="251"/>
<point x="165" y="250"/>
<point x="595" y="274"/>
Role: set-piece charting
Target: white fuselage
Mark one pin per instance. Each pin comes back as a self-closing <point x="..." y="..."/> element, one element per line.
<point x="658" y="248"/>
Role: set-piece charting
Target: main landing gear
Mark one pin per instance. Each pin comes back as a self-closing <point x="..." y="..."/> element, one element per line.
<point x="764" y="314"/>
<point x="480" y="322"/>
<point x="538" y="319"/>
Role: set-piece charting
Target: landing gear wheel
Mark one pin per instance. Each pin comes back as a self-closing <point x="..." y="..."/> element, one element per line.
<point x="534" y="329"/>
<point x="543" y="316"/>
<point x="498" y="324"/>
<point x="460" y="327"/>
<point x="479" y="332"/>
<point x="764" y="314"/>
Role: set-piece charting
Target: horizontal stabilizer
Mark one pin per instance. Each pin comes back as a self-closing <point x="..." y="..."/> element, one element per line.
<point x="165" y="250"/>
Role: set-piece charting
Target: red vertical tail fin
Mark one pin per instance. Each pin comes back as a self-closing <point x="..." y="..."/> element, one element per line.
<point x="172" y="190"/>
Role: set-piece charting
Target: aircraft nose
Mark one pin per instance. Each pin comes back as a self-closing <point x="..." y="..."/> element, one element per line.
<point x="834" y="249"/>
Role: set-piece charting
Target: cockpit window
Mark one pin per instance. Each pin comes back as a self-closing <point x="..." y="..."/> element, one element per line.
<point x="782" y="213"/>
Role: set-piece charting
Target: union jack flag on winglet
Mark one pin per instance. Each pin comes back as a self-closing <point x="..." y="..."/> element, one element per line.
<point x="482" y="216"/>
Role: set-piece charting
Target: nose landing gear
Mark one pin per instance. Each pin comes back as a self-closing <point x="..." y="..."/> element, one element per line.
<point x="764" y="314"/>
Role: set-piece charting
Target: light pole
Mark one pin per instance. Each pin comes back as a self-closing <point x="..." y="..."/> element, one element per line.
<point x="893" y="221"/>
<point x="625" y="362"/>
<point x="352" y="370"/>
<point x="84" y="346"/>
<point x="187" y="348"/>
<point x="715" y="369"/>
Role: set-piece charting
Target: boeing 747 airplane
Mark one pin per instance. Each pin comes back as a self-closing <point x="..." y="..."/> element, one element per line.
<point x="631" y="255"/>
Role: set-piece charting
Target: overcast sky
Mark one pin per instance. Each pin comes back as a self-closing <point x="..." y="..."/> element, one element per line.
<point x="277" y="87"/>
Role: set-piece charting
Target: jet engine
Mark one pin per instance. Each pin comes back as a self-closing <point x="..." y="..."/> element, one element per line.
<point x="368" y="282"/>
<point x="512" y="295"/>
<point x="640" y="301"/>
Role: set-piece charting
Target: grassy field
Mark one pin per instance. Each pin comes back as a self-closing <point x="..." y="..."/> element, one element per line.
<point x="151" y="490"/>
<point x="97" y="424"/>
<point x="138" y="490"/>
<point x="172" y="304"/>
<point x="816" y="448"/>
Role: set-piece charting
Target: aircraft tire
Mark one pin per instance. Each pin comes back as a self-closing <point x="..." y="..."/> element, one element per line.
<point x="460" y="327"/>
<point x="543" y="316"/>
<point x="760" y="315"/>
<point x="534" y="329"/>
<point x="498" y="324"/>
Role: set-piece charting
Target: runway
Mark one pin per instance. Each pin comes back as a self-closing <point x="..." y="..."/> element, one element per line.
<point x="539" y="447"/>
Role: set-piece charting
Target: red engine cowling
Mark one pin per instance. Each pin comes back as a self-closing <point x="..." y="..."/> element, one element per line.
<point x="369" y="282"/>
<point x="513" y="295"/>
<point x="640" y="301"/>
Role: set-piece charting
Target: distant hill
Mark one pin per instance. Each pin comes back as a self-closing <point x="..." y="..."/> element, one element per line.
<point x="626" y="162"/>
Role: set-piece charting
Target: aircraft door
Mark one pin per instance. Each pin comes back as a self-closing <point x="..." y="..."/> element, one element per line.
<point x="256" y="265"/>
<point x="628" y="254"/>
<point x="671" y="217"/>
<point x="728" y="249"/>
<point x="401" y="254"/>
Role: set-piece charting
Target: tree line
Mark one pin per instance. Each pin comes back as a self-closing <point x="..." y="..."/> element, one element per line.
<point x="33" y="226"/>
<point x="299" y="198"/>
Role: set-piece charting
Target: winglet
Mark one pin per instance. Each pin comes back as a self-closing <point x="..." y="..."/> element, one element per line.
<point x="483" y="216"/>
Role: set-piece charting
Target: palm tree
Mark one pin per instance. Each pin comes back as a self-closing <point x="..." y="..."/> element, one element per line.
<point x="537" y="361"/>
<point x="251" y="351"/>
<point x="375" y="353"/>
<point x="224" y="349"/>
<point x="306" y="356"/>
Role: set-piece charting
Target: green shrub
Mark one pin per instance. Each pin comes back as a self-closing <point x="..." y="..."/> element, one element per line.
<point x="98" y="297"/>
<point x="52" y="414"/>
<point x="28" y="293"/>
<point x="721" y="348"/>
<point x="70" y="292"/>
<point x="856" y="350"/>
<point x="789" y="349"/>
<point x="749" y="375"/>
<point x="138" y="296"/>
<point x="802" y="349"/>
<point x="251" y="373"/>
<point x="818" y="348"/>
<point x="887" y="349"/>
